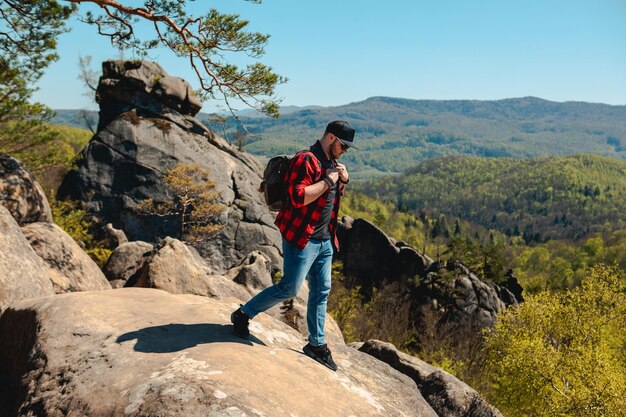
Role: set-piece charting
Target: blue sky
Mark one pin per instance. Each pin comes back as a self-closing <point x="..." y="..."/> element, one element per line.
<point x="336" y="52"/>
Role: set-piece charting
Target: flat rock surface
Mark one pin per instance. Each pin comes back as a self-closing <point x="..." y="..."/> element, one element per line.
<point x="144" y="352"/>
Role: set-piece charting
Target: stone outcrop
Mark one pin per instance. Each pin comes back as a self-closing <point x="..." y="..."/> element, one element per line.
<point x="146" y="128"/>
<point x="447" y="395"/>
<point x="126" y="85"/>
<point x="125" y="261"/>
<point x="372" y="259"/>
<point x="21" y="194"/>
<point x="143" y="352"/>
<point x="70" y="268"/>
<point x="254" y="273"/>
<point x="178" y="269"/>
<point x="23" y="274"/>
<point x="375" y="258"/>
<point x="115" y="236"/>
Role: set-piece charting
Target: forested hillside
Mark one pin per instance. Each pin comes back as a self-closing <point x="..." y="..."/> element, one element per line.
<point x="394" y="134"/>
<point x="538" y="199"/>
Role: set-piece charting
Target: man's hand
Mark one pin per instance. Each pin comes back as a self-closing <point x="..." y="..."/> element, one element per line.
<point x="343" y="172"/>
<point x="333" y="175"/>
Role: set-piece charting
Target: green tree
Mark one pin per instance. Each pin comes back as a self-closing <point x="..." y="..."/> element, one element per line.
<point x="77" y="223"/>
<point x="204" y="41"/>
<point x="28" y="34"/>
<point x="194" y="202"/>
<point x="562" y="354"/>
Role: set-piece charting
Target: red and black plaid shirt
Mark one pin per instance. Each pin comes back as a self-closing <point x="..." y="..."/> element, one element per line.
<point x="296" y="221"/>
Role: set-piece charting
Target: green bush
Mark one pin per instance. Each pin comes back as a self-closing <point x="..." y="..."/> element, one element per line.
<point x="562" y="354"/>
<point x="76" y="223"/>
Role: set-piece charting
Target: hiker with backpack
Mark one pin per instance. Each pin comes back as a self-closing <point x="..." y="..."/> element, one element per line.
<point x="314" y="183"/>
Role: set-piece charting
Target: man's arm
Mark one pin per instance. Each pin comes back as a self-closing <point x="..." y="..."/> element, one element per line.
<point x="314" y="191"/>
<point x="302" y="190"/>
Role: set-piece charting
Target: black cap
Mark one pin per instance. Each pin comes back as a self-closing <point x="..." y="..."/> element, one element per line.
<point x="343" y="131"/>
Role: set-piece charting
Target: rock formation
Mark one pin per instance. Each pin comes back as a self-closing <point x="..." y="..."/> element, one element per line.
<point x="21" y="194"/>
<point x="146" y="128"/>
<point x="371" y="259"/>
<point x="374" y="258"/>
<point x="125" y="261"/>
<point x="178" y="269"/>
<point x="143" y="352"/>
<point x="70" y="268"/>
<point x="447" y="395"/>
<point x="23" y="274"/>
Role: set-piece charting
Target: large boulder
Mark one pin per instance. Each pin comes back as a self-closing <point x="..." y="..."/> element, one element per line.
<point x="143" y="352"/>
<point x="21" y="194"/>
<point x="125" y="85"/>
<point x="375" y="258"/>
<point x="125" y="261"/>
<point x="178" y="269"/>
<point x="70" y="267"/>
<point x="447" y="395"/>
<point x="141" y="136"/>
<point x="23" y="274"/>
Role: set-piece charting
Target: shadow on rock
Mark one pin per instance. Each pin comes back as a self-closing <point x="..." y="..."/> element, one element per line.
<point x="175" y="337"/>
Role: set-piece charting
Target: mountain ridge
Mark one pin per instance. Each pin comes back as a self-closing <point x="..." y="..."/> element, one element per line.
<point x="394" y="134"/>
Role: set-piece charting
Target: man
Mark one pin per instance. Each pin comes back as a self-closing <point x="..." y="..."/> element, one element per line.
<point x="308" y="224"/>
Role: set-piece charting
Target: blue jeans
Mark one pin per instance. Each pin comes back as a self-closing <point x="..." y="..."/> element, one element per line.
<point x="313" y="262"/>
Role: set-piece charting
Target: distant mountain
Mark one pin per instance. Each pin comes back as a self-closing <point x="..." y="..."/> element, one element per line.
<point x="394" y="134"/>
<point x="539" y="199"/>
<point x="284" y="110"/>
<point x="76" y="118"/>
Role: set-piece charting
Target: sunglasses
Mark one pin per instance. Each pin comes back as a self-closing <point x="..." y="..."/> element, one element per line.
<point x="344" y="147"/>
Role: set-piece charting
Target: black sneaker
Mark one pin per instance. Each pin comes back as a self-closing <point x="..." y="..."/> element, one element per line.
<point x="240" y="323"/>
<point x="321" y="354"/>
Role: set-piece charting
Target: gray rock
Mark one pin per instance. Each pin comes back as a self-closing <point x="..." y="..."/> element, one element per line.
<point x="126" y="84"/>
<point x="125" y="261"/>
<point x="447" y="395"/>
<point x="373" y="257"/>
<point x="70" y="267"/>
<point x="21" y="194"/>
<point x="23" y="274"/>
<point x="116" y="236"/>
<point x="254" y="273"/>
<point x="142" y="352"/>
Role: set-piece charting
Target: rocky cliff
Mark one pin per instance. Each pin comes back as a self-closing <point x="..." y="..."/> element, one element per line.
<point x="146" y="128"/>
